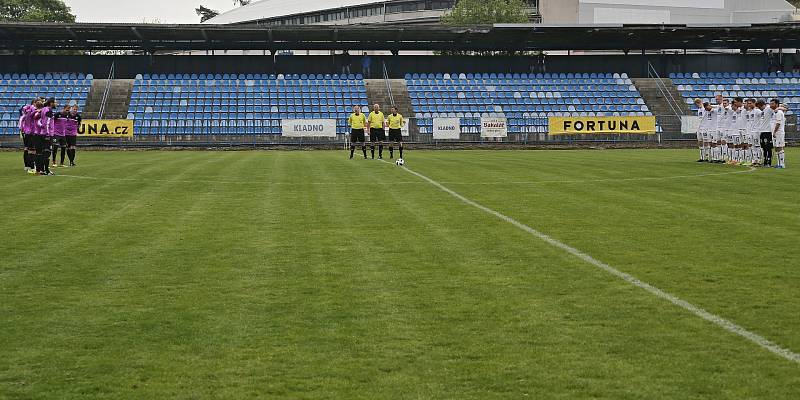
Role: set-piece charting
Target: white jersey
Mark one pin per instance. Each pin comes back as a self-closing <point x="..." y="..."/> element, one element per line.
<point x="736" y="120"/>
<point x="719" y="117"/>
<point x="766" y="119"/>
<point x="750" y="121"/>
<point x="778" y="119"/>
<point x="728" y="119"/>
<point x="711" y="118"/>
<point x="701" y="113"/>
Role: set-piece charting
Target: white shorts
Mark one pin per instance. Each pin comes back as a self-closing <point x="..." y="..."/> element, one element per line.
<point x="700" y="136"/>
<point x="779" y="140"/>
<point x="741" y="137"/>
<point x="714" y="136"/>
<point x="755" y="139"/>
<point x="728" y="138"/>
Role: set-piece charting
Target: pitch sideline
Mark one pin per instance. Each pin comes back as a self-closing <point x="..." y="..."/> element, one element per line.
<point x="708" y="316"/>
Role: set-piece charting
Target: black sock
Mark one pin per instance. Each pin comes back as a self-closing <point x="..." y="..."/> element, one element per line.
<point x="63" y="153"/>
<point x="71" y="154"/>
<point x="372" y="150"/>
<point x="26" y="159"/>
<point x="364" y="150"/>
<point x="352" y="150"/>
<point x="40" y="162"/>
<point x="46" y="162"/>
<point x="54" y="152"/>
<point x="380" y="151"/>
<point x="401" y="151"/>
<point x="391" y="152"/>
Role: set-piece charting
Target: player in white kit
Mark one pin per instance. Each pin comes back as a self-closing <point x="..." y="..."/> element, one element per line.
<point x="723" y="129"/>
<point x="778" y="128"/>
<point x="750" y="137"/>
<point x="712" y="134"/>
<point x="702" y="144"/>
<point x="736" y="123"/>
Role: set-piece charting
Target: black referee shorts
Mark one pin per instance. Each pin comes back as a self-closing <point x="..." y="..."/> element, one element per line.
<point x="357" y="136"/>
<point x="395" y="135"/>
<point x="377" y="135"/>
<point x="72" y="141"/>
<point x="26" y="140"/>
<point x="40" y="142"/>
<point x="766" y="139"/>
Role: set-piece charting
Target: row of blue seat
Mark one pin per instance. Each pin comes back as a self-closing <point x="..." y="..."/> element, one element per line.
<point x="49" y="75"/>
<point x="522" y="109"/>
<point x="245" y="76"/>
<point x="501" y="75"/>
<point x="523" y="88"/>
<point x="249" y="96"/>
<point x="517" y="95"/>
<point x="308" y="112"/>
<point x="723" y="75"/>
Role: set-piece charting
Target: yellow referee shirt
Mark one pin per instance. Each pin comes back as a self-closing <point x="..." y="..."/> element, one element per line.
<point x="376" y="120"/>
<point x="357" y="121"/>
<point x="395" y="121"/>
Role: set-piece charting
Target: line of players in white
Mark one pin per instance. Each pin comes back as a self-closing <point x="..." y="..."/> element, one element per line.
<point x="741" y="132"/>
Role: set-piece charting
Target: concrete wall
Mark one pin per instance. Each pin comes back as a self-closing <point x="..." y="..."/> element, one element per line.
<point x="683" y="11"/>
<point x="559" y="11"/>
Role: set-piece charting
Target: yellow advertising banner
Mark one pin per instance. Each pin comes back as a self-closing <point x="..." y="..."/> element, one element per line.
<point x="602" y="125"/>
<point x="106" y="128"/>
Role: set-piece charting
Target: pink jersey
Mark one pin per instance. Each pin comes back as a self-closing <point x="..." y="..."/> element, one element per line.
<point x="45" y="122"/>
<point x="59" y="124"/>
<point x="71" y="124"/>
<point x="37" y="127"/>
<point x="26" y="121"/>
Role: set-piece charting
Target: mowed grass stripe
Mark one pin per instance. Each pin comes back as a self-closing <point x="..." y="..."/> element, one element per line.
<point x="334" y="291"/>
<point x="724" y="242"/>
<point x="61" y="274"/>
<point x="721" y="322"/>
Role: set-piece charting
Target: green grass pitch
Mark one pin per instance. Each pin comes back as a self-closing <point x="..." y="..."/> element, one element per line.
<point x="266" y="274"/>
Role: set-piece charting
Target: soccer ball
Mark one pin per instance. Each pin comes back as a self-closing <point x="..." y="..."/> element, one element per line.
<point x="400" y="162"/>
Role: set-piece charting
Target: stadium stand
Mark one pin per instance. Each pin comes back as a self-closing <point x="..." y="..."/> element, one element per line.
<point x="17" y="90"/>
<point x="705" y="85"/>
<point x="525" y="99"/>
<point x="231" y="104"/>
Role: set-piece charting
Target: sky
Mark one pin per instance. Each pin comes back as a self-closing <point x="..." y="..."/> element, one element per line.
<point x="163" y="11"/>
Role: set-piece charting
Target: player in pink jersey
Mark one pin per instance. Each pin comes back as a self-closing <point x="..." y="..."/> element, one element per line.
<point x="37" y="138"/>
<point x="26" y="127"/>
<point x="44" y="124"/>
<point x="59" y="134"/>
<point x="73" y="122"/>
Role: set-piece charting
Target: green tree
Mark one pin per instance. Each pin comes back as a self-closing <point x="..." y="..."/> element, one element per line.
<point x="487" y="12"/>
<point x="35" y="11"/>
<point x="205" y="13"/>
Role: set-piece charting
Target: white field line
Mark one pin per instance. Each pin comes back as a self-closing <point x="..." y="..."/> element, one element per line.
<point x="713" y="318"/>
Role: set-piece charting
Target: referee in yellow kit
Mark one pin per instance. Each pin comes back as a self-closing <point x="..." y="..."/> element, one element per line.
<point x="358" y="123"/>
<point x="396" y="123"/>
<point x="377" y="134"/>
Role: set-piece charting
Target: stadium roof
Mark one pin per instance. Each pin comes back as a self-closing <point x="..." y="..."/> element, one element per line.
<point x="499" y="37"/>
<point x="265" y="9"/>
